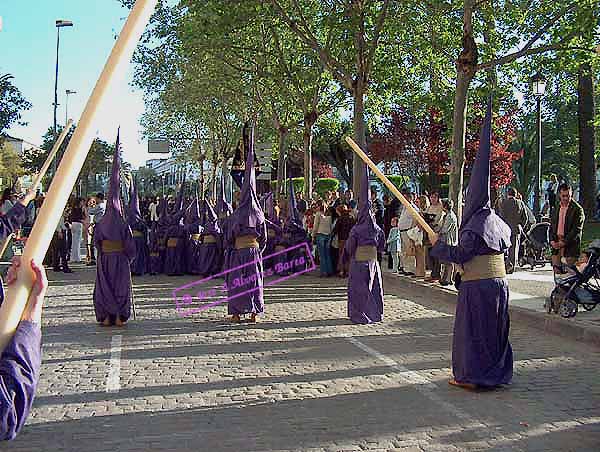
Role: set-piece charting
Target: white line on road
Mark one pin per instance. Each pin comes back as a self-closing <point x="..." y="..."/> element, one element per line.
<point x="113" y="381"/>
<point x="421" y="383"/>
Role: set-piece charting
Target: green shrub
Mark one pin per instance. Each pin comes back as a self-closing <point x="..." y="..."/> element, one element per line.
<point x="326" y="184"/>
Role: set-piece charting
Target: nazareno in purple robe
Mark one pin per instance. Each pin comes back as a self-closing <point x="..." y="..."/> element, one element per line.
<point x="140" y="263"/>
<point x="19" y="375"/>
<point x="21" y="359"/>
<point x="112" y="291"/>
<point x="365" y="289"/>
<point x="481" y="351"/>
<point x="174" y="264"/>
<point x="193" y="228"/>
<point x="210" y="256"/>
<point x="245" y="280"/>
<point x="155" y="262"/>
<point x="224" y="210"/>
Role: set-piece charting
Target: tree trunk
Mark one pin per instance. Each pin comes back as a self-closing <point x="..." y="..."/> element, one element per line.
<point x="309" y="122"/>
<point x="201" y="163"/>
<point x="214" y="180"/>
<point x="465" y="71"/>
<point x="283" y="134"/>
<point x="359" y="135"/>
<point x="587" y="139"/>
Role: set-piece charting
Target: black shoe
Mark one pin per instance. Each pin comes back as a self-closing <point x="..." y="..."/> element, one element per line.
<point x="91" y="263"/>
<point x="67" y="270"/>
<point x="56" y="269"/>
<point x="409" y="274"/>
<point x="445" y="283"/>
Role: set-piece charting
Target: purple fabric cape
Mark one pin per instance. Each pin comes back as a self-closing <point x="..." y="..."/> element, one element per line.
<point x="365" y="290"/>
<point x="112" y="292"/>
<point x="19" y="375"/>
<point x="174" y="263"/>
<point x="481" y="351"/>
<point x="140" y="263"/>
<point x="245" y="280"/>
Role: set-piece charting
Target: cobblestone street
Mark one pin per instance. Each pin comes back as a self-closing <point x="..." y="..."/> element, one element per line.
<point x="303" y="379"/>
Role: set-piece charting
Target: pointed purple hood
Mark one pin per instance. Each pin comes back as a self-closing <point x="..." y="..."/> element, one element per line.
<point x="249" y="214"/>
<point x="113" y="221"/>
<point x="224" y="209"/>
<point x="365" y="227"/>
<point x="293" y="216"/>
<point x="211" y="222"/>
<point x="478" y="216"/>
<point x="134" y="215"/>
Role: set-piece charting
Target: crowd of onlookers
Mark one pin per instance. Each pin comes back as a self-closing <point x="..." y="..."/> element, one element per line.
<point x="329" y="219"/>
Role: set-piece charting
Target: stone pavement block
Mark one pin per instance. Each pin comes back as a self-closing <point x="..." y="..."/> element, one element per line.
<point x="293" y="381"/>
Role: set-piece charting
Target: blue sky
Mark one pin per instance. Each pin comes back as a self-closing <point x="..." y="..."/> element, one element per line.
<point x="28" y="52"/>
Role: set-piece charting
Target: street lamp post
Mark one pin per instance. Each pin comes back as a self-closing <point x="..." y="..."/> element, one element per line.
<point x="67" y="92"/>
<point x="59" y="24"/>
<point x="539" y="88"/>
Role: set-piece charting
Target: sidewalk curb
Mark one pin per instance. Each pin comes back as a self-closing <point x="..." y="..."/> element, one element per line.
<point x="550" y="323"/>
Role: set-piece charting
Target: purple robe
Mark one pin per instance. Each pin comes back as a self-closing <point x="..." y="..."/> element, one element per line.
<point x="249" y="277"/>
<point x="155" y="260"/>
<point x="112" y="292"/>
<point x="244" y="282"/>
<point x="209" y="259"/>
<point x="481" y="351"/>
<point x="140" y="263"/>
<point x="174" y="263"/>
<point x="19" y="374"/>
<point x="365" y="289"/>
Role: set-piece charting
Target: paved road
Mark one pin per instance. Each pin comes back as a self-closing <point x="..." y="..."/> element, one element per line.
<point x="302" y="379"/>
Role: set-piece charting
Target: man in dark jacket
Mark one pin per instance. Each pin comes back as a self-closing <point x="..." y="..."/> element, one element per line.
<point x="513" y="212"/>
<point x="566" y="229"/>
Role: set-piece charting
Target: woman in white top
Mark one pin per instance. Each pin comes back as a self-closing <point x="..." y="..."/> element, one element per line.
<point x="321" y="234"/>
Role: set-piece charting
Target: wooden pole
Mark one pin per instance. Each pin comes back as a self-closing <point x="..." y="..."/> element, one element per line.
<point x="411" y="210"/>
<point x="52" y="155"/>
<point x="70" y="166"/>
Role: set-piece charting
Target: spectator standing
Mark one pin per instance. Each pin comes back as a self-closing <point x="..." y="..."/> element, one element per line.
<point x="153" y="211"/>
<point x="419" y="243"/>
<point x="449" y="236"/>
<point x="59" y="247"/>
<point x="76" y="220"/>
<point x="96" y="210"/>
<point x="321" y="234"/>
<point x="6" y="202"/>
<point x="512" y="211"/>
<point x="393" y="244"/>
<point x="566" y="229"/>
<point x="434" y="215"/>
<point x="301" y="203"/>
<point x="377" y="206"/>
<point x="341" y="230"/>
<point x="407" y="252"/>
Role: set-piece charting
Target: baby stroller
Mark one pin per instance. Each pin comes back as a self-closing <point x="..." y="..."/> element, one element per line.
<point x="578" y="287"/>
<point x="535" y="245"/>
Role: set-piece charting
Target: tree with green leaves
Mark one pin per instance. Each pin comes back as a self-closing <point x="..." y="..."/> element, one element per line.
<point x="12" y="103"/>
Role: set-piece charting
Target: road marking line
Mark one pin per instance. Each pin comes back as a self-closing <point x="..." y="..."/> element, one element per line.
<point x="113" y="381"/>
<point x="420" y="382"/>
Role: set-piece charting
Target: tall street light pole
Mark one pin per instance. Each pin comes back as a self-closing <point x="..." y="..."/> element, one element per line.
<point x="67" y="92"/>
<point x="59" y="24"/>
<point x="539" y="88"/>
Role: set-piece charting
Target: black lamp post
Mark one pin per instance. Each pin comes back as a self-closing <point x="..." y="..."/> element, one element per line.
<point x="59" y="24"/>
<point x="539" y="88"/>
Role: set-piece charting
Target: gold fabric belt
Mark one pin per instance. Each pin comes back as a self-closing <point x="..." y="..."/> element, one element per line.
<point x="488" y="266"/>
<point x="209" y="238"/>
<point x="154" y="254"/>
<point x="271" y="233"/>
<point x="279" y="247"/>
<point x="196" y="237"/>
<point x="365" y="253"/>
<point x="138" y="234"/>
<point x="172" y="242"/>
<point x="287" y="235"/>
<point x="222" y="216"/>
<point x="112" y="246"/>
<point x="245" y="241"/>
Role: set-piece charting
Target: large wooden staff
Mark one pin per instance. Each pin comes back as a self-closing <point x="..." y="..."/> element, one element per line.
<point x="411" y="210"/>
<point x="42" y="173"/>
<point x="70" y="166"/>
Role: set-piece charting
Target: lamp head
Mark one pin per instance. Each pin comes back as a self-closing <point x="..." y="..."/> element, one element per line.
<point x="63" y="23"/>
<point x="538" y="85"/>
